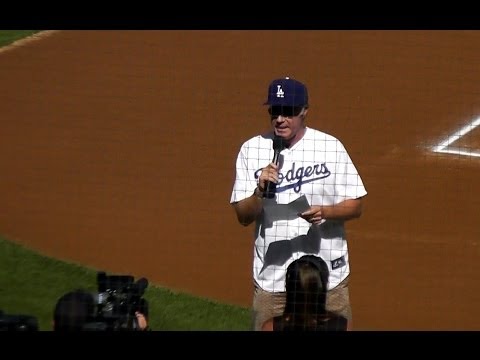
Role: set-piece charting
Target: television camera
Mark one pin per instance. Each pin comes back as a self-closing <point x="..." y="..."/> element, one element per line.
<point x="16" y="322"/>
<point x="119" y="297"/>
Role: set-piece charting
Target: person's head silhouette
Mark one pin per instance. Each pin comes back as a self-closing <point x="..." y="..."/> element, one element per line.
<point x="306" y="287"/>
<point x="73" y="310"/>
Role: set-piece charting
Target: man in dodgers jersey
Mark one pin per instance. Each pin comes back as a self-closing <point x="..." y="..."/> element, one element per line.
<point x="312" y="164"/>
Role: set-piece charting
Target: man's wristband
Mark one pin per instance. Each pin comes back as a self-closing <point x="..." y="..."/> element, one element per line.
<point x="258" y="193"/>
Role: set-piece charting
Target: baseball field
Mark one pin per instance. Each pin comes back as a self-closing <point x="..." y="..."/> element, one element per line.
<point x="118" y="152"/>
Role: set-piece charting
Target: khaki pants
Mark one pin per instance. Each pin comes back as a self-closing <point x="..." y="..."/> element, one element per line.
<point x="266" y="304"/>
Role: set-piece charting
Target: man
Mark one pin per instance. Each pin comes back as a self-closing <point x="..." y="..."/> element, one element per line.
<point x="311" y="164"/>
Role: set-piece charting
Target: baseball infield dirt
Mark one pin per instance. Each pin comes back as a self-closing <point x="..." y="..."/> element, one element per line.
<point x="118" y="151"/>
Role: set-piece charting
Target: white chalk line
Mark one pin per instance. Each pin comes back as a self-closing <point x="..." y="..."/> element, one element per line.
<point x="444" y="146"/>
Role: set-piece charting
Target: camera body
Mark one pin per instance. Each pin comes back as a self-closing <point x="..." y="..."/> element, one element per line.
<point x="117" y="300"/>
<point x="18" y="322"/>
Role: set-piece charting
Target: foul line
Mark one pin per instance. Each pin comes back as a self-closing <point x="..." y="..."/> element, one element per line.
<point x="443" y="147"/>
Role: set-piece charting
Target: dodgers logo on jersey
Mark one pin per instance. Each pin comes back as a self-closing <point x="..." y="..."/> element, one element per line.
<point x="280" y="92"/>
<point x="299" y="176"/>
<point x="338" y="263"/>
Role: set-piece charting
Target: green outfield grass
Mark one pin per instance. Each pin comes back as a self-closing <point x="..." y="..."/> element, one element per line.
<point x="31" y="283"/>
<point x="9" y="36"/>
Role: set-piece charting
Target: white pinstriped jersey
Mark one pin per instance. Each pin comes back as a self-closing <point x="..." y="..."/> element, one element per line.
<point x="317" y="166"/>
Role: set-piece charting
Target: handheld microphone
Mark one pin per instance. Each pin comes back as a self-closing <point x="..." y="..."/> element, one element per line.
<point x="278" y="146"/>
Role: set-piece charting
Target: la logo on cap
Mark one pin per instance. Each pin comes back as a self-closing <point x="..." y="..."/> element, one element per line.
<point x="286" y="92"/>
<point x="280" y="91"/>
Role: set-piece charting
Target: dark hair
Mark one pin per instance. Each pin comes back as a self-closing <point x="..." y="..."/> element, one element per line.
<point x="73" y="310"/>
<point x="306" y="285"/>
<point x="305" y="308"/>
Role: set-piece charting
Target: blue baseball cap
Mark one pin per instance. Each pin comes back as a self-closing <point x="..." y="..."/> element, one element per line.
<point x="287" y="92"/>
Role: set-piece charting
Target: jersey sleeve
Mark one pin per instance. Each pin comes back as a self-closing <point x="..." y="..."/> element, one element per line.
<point x="348" y="183"/>
<point x="245" y="182"/>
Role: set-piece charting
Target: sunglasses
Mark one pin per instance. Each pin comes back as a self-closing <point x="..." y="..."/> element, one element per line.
<point x="285" y="111"/>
